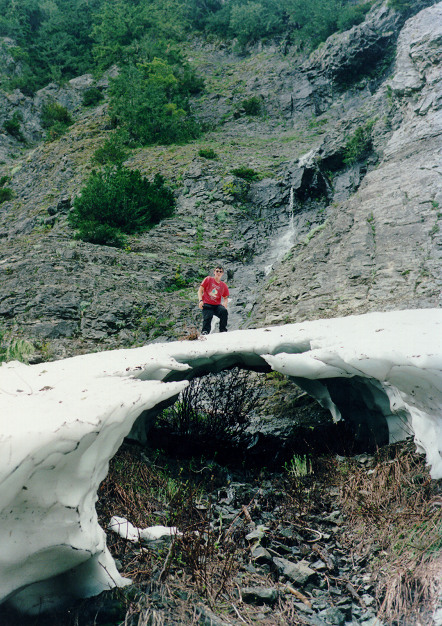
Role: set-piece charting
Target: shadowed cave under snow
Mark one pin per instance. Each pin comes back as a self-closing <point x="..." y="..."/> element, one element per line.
<point x="63" y="421"/>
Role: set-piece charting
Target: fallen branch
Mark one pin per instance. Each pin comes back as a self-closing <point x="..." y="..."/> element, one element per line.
<point x="298" y="595"/>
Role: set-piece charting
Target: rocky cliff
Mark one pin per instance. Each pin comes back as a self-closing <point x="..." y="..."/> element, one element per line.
<point x="343" y="219"/>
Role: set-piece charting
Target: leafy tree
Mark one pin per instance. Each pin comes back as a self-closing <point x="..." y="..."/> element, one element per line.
<point x="116" y="26"/>
<point x="118" y="200"/>
<point x="53" y="38"/>
<point x="308" y="21"/>
<point x="122" y="27"/>
<point x="199" y="11"/>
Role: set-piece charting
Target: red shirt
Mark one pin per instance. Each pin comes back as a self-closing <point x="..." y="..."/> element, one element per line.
<point x="213" y="291"/>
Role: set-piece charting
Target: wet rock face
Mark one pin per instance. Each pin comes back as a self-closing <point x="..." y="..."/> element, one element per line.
<point x="331" y="227"/>
<point x="381" y="248"/>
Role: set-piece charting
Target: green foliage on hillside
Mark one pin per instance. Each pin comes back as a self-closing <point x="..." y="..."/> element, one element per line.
<point x="13" y="126"/>
<point x="307" y="22"/>
<point x="13" y="348"/>
<point x="400" y="5"/>
<point x="59" y="39"/>
<point x="6" y="193"/>
<point x="149" y="101"/>
<point x="113" y="151"/>
<point x="360" y="144"/>
<point x="53" y="38"/>
<point x="56" y="118"/>
<point x="118" y="201"/>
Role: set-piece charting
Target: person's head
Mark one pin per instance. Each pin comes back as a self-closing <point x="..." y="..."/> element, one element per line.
<point x="218" y="272"/>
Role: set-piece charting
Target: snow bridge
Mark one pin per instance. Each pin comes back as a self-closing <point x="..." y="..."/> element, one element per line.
<point x="61" y="423"/>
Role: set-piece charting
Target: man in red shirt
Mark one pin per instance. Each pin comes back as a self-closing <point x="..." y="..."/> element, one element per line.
<point x="213" y="297"/>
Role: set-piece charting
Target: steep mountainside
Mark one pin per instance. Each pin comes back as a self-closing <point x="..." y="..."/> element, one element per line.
<point x="343" y="219"/>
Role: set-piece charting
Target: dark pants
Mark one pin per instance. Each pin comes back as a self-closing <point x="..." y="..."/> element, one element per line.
<point x="209" y="310"/>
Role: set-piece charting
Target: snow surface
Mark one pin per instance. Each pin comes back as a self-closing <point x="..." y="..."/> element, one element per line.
<point x="62" y="422"/>
<point x="121" y="526"/>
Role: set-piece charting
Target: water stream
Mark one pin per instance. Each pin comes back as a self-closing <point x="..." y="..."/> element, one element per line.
<point x="281" y="244"/>
<point x="249" y="280"/>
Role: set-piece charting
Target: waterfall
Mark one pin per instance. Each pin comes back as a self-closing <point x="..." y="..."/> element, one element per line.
<point x="249" y="280"/>
<point x="282" y="244"/>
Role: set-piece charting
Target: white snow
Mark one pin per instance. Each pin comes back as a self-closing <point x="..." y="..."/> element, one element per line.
<point x="121" y="526"/>
<point x="62" y="422"/>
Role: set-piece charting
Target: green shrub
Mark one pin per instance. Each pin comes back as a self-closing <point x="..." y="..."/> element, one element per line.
<point x="4" y="180"/>
<point x="150" y="101"/>
<point x="13" y="349"/>
<point x="101" y="234"/>
<point x="352" y="14"/>
<point x="207" y="153"/>
<point x="304" y="22"/>
<point x="360" y="144"/>
<point x="113" y="151"/>
<point x="252" y="106"/>
<point x="118" y="200"/>
<point x="400" y="5"/>
<point x="5" y="194"/>
<point x="178" y="281"/>
<point x="53" y="112"/>
<point x="246" y="173"/>
<point x="13" y="126"/>
<point x="92" y="96"/>
<point x="56" y="118"/>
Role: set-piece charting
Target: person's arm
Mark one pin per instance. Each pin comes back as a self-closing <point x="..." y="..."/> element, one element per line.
<point x="200" y="296"/>
<point x="225" y="299"/>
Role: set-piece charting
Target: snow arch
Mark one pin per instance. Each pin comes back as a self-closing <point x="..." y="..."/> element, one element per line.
<point x="62" y="422"/>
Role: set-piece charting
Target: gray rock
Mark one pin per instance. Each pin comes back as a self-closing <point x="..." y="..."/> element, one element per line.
<point x="333" y="616"/>
<point x="299" y="573"/>
<point x="259" y="595"/>
<point x="261" y="556"/>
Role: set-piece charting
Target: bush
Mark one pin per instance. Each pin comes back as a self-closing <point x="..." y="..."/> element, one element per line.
<point x="400" y="5"/>
<point x="112" y="152"/>
<point x="214" y="410"/>
<point x="5" y="194"/>
<point x="14" y="349"/>
<point x="150" y="101"/>
<point x="360" y="144"/>
<point x="352" y="14"/>
<point x="118" y="200"/>
<point x="208" y="153"/>
<point x="56" y="118"/>
<point x="13" y="126"/>
<point x="252" y="106"/>
<point x="246" y="173"/>
<point x="92" y="96"/>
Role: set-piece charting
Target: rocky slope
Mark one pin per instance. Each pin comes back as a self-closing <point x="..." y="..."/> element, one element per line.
<point x="348" y="142"/>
